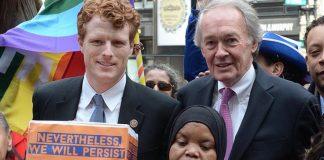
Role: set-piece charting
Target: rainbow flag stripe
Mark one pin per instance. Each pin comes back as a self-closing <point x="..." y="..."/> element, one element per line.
<point x="54" y="29"/>
<point x="37" y="51"/>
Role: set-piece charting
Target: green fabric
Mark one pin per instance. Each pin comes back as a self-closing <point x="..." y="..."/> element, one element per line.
<point x="65" y="5"/>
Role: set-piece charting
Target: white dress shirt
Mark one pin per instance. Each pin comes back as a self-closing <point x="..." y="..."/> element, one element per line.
<point x="238" y="103"/>
<point x="112" y="98"/>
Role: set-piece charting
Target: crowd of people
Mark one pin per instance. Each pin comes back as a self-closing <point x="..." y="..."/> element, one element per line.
<point x="233" y="108"/>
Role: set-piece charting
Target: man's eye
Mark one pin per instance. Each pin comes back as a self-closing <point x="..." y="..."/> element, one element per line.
<point x="210" y="44"/>
<point x="314" y="51"/>
<point x="231" y="41"/>
<point x="119" y="43"/>
<point x="97" y="42"/>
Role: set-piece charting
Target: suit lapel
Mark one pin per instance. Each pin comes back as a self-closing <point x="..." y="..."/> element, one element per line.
<point x="66" y="108"/>
<point x="206" y="92"/>
<point x="259" y="104"/>
<point x="129" y="109"/>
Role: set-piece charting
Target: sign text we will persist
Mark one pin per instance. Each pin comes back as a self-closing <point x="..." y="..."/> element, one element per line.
<point x="77" y="145"/>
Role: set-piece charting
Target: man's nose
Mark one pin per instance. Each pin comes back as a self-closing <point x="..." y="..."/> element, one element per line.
<point x="107" y="50"/>
<point x="221" y="51"/>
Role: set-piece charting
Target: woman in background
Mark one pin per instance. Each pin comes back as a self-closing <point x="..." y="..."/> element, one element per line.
<point x="163" y="78"/>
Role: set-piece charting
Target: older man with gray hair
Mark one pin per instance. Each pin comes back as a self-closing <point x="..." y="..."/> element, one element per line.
<point x="266" y="117"/>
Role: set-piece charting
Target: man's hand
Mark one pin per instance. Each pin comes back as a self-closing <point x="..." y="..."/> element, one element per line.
<point x="201" y="74"/>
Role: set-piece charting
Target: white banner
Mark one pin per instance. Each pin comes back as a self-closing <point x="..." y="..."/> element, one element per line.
<point x="172" y="21"/>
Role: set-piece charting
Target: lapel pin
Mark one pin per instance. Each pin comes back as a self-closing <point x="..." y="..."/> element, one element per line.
<point x="133" y="123"/>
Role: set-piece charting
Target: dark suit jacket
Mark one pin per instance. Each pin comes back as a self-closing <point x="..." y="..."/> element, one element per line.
<point x="59" y="100"/>
<point x="312" y="88"/>
<point x="279" y="121"/>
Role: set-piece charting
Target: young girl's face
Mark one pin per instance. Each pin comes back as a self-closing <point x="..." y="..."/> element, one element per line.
<point x="193" y="141"/>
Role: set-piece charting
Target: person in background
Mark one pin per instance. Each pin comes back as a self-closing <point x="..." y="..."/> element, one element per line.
<point x="316" y="151"/>
<point x="14" y="12"/>
<point x="106" y="31"/>
<point x="194" y="62"/>
<point x="279" y="56"/>
<point x="314" y="44"/>
<point x="198" y="133"/>
<point x="163" y="78"/>
<point x="7" y="150"/>
<point x="266" y="117"/>
<point x="5" y="138"/>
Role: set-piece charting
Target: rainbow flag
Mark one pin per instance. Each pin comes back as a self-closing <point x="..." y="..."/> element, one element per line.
<point x="35" y="52"/>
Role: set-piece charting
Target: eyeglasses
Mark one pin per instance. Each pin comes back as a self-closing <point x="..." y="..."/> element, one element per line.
<point x="163" y="86"/>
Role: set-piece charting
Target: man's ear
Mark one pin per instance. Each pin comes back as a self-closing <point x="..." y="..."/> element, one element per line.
<point x="255" y="46"/>
<point x="306" y="59"/>
<point x="202" y="52"/>
<point x="278" y="68"/>
<point x="132" y="46"/>
<point x="80" y="41"/>
<point x="9" y="141"/>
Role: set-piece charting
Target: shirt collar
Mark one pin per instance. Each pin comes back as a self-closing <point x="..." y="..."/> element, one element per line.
<point x="112" y="96"/>
<point x="243" y="87"/>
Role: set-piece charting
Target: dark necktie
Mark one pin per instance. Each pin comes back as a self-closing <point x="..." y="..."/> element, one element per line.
<point x="227" y="93"/>
<point x="98" y="114"/>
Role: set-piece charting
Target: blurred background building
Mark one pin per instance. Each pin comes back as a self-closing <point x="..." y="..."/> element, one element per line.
<point x="285" y="17"/>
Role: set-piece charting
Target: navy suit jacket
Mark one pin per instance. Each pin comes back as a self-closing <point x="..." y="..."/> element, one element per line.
<point x="280" y="119"/>
<point x="154" y="111"/>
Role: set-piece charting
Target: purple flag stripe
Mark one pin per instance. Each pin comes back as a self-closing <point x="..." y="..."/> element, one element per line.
<point x="18" y="38"/>
<point x="131" y="2"/>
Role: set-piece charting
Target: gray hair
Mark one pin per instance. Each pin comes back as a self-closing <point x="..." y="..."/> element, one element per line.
<point x="249" y="14"/>
<point x="172" y="74"/>
<point x="4" y="123"/>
